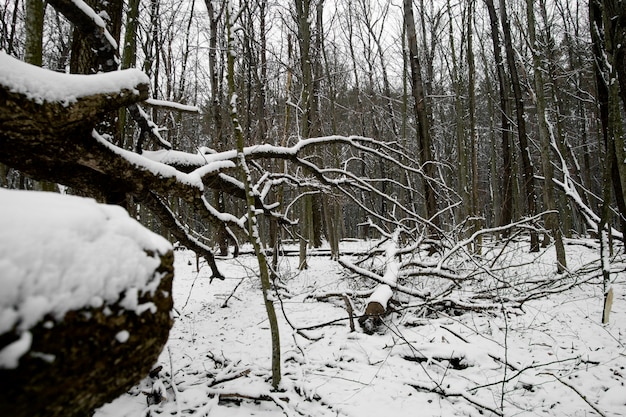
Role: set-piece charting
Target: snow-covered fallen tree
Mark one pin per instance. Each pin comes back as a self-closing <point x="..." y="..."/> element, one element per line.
<point x="85" y="303"/>
<point x="378" y="302"/>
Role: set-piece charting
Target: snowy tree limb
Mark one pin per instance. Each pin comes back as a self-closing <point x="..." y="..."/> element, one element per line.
<point x="87" y="21"/>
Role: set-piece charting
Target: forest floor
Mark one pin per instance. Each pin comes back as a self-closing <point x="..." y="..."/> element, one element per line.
<point x="546" y="357"/>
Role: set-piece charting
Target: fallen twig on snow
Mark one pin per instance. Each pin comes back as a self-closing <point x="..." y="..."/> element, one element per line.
<point x="230" y="377"/>
<point x="447" y="393"/>
<point x="581" y="395"/>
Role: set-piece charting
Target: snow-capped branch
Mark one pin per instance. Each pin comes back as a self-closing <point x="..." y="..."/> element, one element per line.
<point x="171" y="105"/>
<point x="88" y="22"/>
<point x="147" y="128"/>
<point x="316" y="173"/>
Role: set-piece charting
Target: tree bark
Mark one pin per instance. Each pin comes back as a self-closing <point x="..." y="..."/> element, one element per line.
<point x="471" y="73"/>
<point x="423" y="124"/>
<point x="507" y="155"/>
<point x="607" y="96"/>
<point x="547" y="140"/>
<point x="34" y="31"/>
<point x="527" y="167"/>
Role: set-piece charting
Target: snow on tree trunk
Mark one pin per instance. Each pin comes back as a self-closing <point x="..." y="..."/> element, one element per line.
<point x="85" y="303"/>
<point x="378" y="302"/>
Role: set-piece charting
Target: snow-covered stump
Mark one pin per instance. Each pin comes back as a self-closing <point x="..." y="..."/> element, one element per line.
<point x="85" y="303"/>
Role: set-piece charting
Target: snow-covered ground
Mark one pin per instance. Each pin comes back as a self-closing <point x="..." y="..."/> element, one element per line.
<point x="551" y="357"/>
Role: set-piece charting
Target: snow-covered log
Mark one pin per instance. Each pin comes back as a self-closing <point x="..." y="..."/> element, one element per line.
<point x="376" y="308"/>
<point x="85" y="303"/>
<point x="378" y="302"/>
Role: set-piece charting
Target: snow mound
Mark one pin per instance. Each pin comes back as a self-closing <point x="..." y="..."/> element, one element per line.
<point x="60" y="253"/>
<point x="42" y="85"/>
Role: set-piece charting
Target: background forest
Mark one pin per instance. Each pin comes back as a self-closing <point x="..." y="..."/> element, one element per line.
<point x="492" y="102"/>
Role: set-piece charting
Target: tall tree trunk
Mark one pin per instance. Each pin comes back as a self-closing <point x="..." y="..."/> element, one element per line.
<point x="565" y="210"/>
<point x="607" y="98"/>
<point x="310" y="211"/>
<point x="546" y="139"/>
<point x="507" y="154"/>
<point x="614" y="18"/>
<point x="129" y="57"/>
<point x="304" y="42"/>
<point x="330" y="206"/>
<point x="33" y="26"/>
<point x="85" y="60"/>
<point x="471" y="72"/>
<point x="527" y="167"/>
<point x="253" y="231"/>
<point x="423" y="125"/>
<point x="615" y="11"/>
<point x="216" y="110"/>
<point x="33" y="54"/>
<point x="459" y="107"/>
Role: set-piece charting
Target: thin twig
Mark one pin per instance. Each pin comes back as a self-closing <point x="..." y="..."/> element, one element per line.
<point x="191" y="289"/>
<point x="581" y="395"/>
<point x="174" y="387"/>
<point x="441" y="391"/>
<point x="520" y="371"/>
<point x="225" y="303"/>
<point x="230" y="378"/>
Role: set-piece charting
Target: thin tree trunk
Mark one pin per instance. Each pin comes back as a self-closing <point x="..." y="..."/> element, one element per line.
<point x="461" y="145"/>
<point x="33" y="26"/>
<point x="216" y="110"/>
<point x="253" y="231"/>
<point x="129" y="57"/>
<point x="33" y="54"/>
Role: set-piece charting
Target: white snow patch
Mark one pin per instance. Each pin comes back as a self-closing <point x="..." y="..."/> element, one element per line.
<point x="381" y="295"/>
<point x="10" y="355"/>
<point x="60" y="253"/>
<point x="42" y="85"/>
<point x="122" y="336"/>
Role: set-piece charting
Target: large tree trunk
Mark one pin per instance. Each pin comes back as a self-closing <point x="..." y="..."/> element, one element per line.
<point x="607" y="96"/>
<point x="85" y="60"/>
<point x="527" y="167"/>
<point x="423" y="124"/>
<point x="547" y="140"/>
<point x="507" y="155"/>
<point x="471" y="73"/>
<point x="129" y="60"/>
